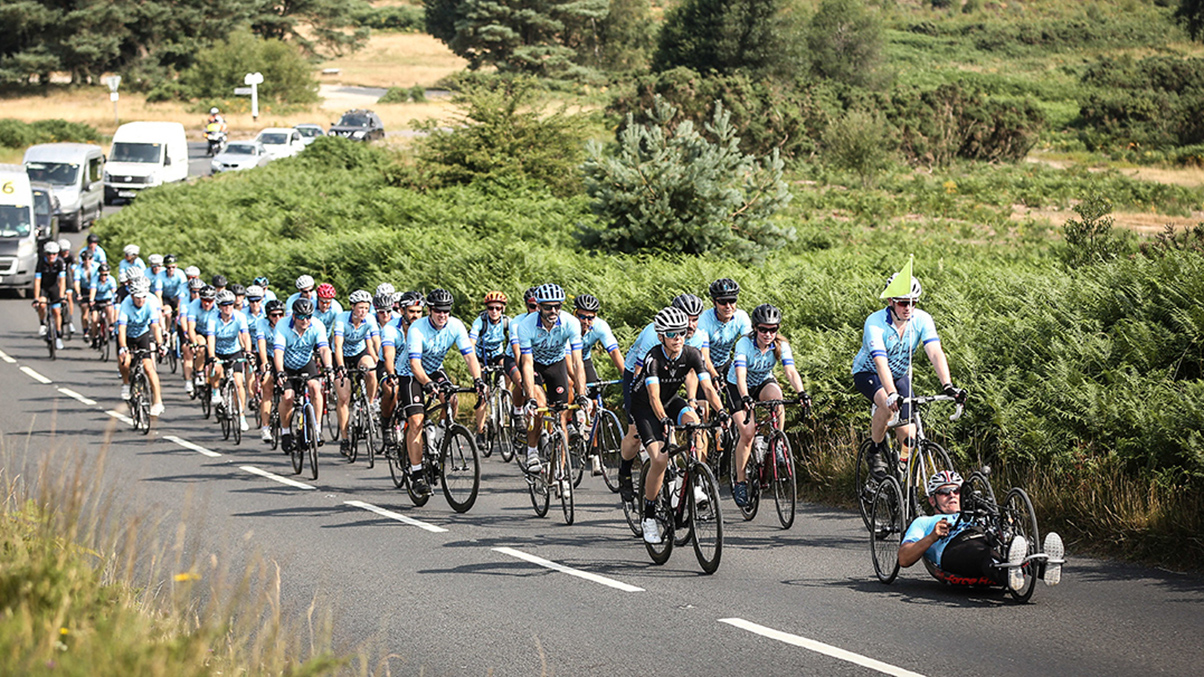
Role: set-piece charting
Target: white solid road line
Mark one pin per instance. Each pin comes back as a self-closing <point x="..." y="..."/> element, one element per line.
<point x="120" y="417"/>
<point x="71" y="393"/>
<point x="277" y="478"/>
<point x="35" y="375"/>
<point x="820" y="647"/>
<point x="396" y="516"/>
<point x="4" y="356"/>
<point x="610" y="582"/>
<point x="189" y="445"/>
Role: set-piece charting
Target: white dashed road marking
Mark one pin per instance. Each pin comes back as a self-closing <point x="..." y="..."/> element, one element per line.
<point x="610" y="582"/>
<point x="396" y="516"/>
<point x="189" y="445"/>
<point x="35" y="375"/>
<point x="276" y="478"/>
<point x="71" y="393"/>
<point x="820" y="647"/>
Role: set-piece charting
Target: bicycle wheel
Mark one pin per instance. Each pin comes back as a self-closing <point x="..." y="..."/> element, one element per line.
<point x="887" y="515"/>
<point x="578" y="451"/>
<point x="609" y="436"/>
<point x="505" y="424"/>
<point x="927" y="459"/>
<point x="224" y="419"/>
<point x="492" y="425"/>
<point x="355" y="424"/>
<point x="539" y="484"/>
<point x="371" y="434"/>
<point x="706" y="519"/>
<point x="106" y="345"/>
<point x="206" y="397"/>
<point x="173" y="348"/>
<point x="228" y="395"/>
<point x="395" y="458"/>
<point x="314" y="436"/>
<point x="864" y="485"/>
<point x="633" y="510"/>
<point x="404" y="459"/>
<point x="460" y="469"/>
<point x="1017" y="518"/>
<point x="51" y="333"/>
<point x="274" y="424"/>
<point x="329" y="418"/>
<point x="562" y="473"/>
<point x="752" y="476"/>
<point x="236" y="414"/>
<point x="683" y="528"/>
<point x="297" y="453"/>
<point x="659" y="552"/>
<point x="781" y="476"/>
<point x="977" y="492"/>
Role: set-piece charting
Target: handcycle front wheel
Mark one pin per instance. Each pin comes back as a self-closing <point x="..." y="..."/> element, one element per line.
<point x="887" y="516"/>
<point x="1019" y="519"/>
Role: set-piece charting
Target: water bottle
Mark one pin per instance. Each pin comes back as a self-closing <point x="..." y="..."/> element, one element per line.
<point x="675" y="492"/>
<point x="436" y="436"/>
<point x="762" y="449"/>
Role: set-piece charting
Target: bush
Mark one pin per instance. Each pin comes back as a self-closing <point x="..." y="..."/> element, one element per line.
<point x="417" y="94"/>
<point x="287" y="76"/>
<point x="845" y="42"/>
<point x="18" y="134"/>
<point x="1089" y="238"/>
<point x="15" y="133"/>
<point x="860" y="142"/>
<point x="410" y="19"/>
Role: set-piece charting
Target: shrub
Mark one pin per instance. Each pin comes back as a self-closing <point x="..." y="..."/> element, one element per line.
<point x="859" y="142"/>
<point x="407" y="18"/>
<point x="1089" y="238"/>
<point x="15" y="133"/>
<point x="287" y="76"/>
<point x="845" y="42"/>
<point x="395" y="95"/>
<point x="18" y="134"/>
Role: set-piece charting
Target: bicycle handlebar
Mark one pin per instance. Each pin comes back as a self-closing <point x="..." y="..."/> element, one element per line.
<point x="929" y="399"/>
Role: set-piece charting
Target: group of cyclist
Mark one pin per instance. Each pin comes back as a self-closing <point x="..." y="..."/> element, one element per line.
<point x="690" y="363"/>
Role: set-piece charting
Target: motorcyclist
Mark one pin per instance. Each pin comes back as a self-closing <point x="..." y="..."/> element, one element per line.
<point x="215" y="118"/>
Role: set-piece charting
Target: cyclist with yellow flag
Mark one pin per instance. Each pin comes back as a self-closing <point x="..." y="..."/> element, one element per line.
<point x="882" y="369"/>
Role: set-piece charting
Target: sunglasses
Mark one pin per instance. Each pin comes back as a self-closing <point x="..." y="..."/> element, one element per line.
<point x="440" y="311"/>
<point x="302" y="317"/>
<point x="674" y="334"/>
<point x="495" y="307"/>
<point x="585" y="318"/>
<point x="275" y="314"/>
<point x="725" y="302"/>
<point x="952" y="491"/>
<point x="905" y="302"/>
<point x="550" y="306"/>
<point x="767" y="330"/>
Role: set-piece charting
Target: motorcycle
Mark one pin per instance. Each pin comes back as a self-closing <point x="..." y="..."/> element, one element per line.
<point x="216" y="138"/>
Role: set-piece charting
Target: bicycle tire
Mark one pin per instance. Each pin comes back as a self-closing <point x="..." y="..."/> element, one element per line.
<point x="354" y="426"/>
<point x="403" y="457"/>
<point x="864" y="485"/>
<point x="274" y="424"/>
<point x="297" y="453"/>
<point x="314" y="435"/>
<point x="706" y="521"/>
<point x="371" y="431"/>
<point x="144" y="402"/>
<point x="505" y="424"/>
<point x="492" y="426"/>
<point x="887" y="519"/>
<point x="51" y="332"/>
<point x="1018" y="517"/>
<point x="609" y="436"/>
<point x="237" y="416"/>
<point x="106" y="344"/>
<point x="562" y="474"/>
<point x="660" y="552"/>
<point x="397" y="462"/>
<point x="329" y="418"/>
<point x="683" y="529"/>
<point x="633" y="510"/>
<point x="752" y="478"/>
<point x="206" y="397"/>
<point x="928" y="458"/>
<point x="538" y="485"/>
<point x="228" y="395"/>
<point x="173" y="356"/>
<point x="781" y="476"/>
<point x="224" y="421"/>
<point x="460" y="469"/>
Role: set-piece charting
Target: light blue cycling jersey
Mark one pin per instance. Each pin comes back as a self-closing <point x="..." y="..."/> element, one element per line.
<point x="647" y="340"/>
<point x="394" y="334"/>
<point x="80" y="276"/>
<point x="598" y="333"/>
<point x="924" y="524"/>
<point x="226" y="334"/>
<point x="197" y="318"/>
<point x="104" y="290"/>
<point x="137" y="321"/>
<point x="492" y="342"/>
<point x="881" y="339"/>
<point x="288" y="305"/>
<point x="298" y="348"/>
<point x="355" y="338"/>
<point x="382" y="328"/>
<point x="722" y="336"/>
<point x="268" y="295"/>
<point x="759" y="364"/>
<point x="328" y="317"/>
<point x="98" y="255"/>
<point x="430" y="345"/>
<point x="171" y="285"/>
<point x="125" y="264"/>
<point x="548" y="346"/>
<point x="514" y="322"/>
<point x="262" y="331"/>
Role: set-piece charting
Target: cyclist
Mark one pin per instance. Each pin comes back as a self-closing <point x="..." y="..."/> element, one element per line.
<point x="427" y="342"/>
<point x="240" y="296"/>
<point x="960" y="547"/>
<point x="154" y="267"/>
<point x="655" y="405"/>
<point x="219" y="283"/>
<point x="130" y="260"/>
<point x="595" y="331"/>
<point x="101" y="297"/>
<point x="723" y="324"/>
<point x="186" y="308"/>
<point x="265" y="338"/>
<point x="93" y="246"/>
<point x="263" y="283"/>
<point x="200" y="313"/>
<point x="192" y="273"/>
<point x="882" y="368"/>
<point x="81" y="281"/>
<point x="138" y="328"/>
<point x="398" y="386"/>
<point x="543" y="337"/>
<point x="253" y="308"/>
<point x="49" y="287"/>
<point x="511" y="360"/>
<point x="488" y="334"/>
<point x="328" y="307"/>
<point x="356" y="344"/>
<point x="750" y="379"/>
<point x="305" y="290"/>
<point x="293" y="347"/>
<point x="170" y="283"/>
<point x="228" y="338"/>
<point x="69" y="266"/>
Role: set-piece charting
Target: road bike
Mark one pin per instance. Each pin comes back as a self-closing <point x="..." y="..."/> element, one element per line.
<point x="363" y="423"/>
<point x="329" y="416"/>
<point x="226" y="412"/>
<point x="307" y="436"/>
<point x="102" y="332"/>
<point x="555" y="473"/>
<point x="172" y="353"/>
<point x="687" y="507"/>
<point x="770" y="465"/>
<point x="449" y="455"/>
<point x="140" y="391"/>
<point x="499" y="424"/>
<point x="51" y="330"/>
<point x="602" y="439"/>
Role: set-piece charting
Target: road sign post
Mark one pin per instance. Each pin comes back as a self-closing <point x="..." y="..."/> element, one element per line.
<point x="114" y="81"/>
<point x="254" y="80"/>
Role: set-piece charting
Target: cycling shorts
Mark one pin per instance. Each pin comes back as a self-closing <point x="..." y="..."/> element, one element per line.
<point x="140" y="342"/>
<point x="352" y="361"/>
<point x="649" y="426"/>
<point x="868" y="384"/>
<point x="236" y="355"/>
<point x="555" y="380"/>
<point x="295" y="378"/>
<point x="591" y="374"/>
<point x="733" y="394"/>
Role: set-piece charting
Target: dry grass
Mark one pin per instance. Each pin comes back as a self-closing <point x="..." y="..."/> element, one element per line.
<point x="395" y="60"/>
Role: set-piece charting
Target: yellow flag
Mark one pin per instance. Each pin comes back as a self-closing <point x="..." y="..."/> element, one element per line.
<point x="900" y="287"/>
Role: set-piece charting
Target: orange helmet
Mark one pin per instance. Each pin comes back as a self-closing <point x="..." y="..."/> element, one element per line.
<point x="495" y="297"/>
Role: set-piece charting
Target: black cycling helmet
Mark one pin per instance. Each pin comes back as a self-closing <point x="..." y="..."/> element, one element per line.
<point x="303" y="307"/>
<point x="238" y="289"/>
<point x="261" y="281"/>
<point x="208" y="292"/>
<point x="529" y="295"/>
<point x="691" y="304"/>
<point x="724" y="287"/>
<point x="587" y="302"/>
<point x="169" y="259"/>
<point x="103" y="268"/>
<point x="766" y="314"/>
<point x="85" y="255"/>
<point x="93" y="238"/>
<point x="220" y="281"/>
<point x="273" y="306"/>
<point x="440" y="299"/>
<point x="410" y="298"/>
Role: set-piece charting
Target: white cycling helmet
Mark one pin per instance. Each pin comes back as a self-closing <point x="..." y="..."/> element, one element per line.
<point x="671" y="319"/>
<point x="192" y="271"/>
<point x="385" y="288"/>
<point x="225" y="297"/>
<point x="304" y="282"/>
<point x="140" y="286"/>
<point x="360" y="296"/>
<point x="915" y="288"/>
<point x="64" y="245"/>
<point x="941" y="478"/>
<point x="155" y="259"/>
<point x="131" y="250"/>
<point x="214" y="111"/>
<point x="254" y="293"/>
<point x="51" y="247"/>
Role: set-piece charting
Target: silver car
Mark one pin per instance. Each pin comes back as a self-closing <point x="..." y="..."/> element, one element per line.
<point x="309" y="132"/>
<point x="240" y="155"/>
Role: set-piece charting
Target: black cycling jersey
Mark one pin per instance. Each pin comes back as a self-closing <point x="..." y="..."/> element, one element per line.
<point x="50" y="274"/>
<point x="669" y="372"/>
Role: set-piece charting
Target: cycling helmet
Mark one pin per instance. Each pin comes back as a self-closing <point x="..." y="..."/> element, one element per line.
<point x="766" y="314"/>
<point x="155" y="259"/>
<point x="411" y="298"/>
<point x="304" y="282"/>
<point x="102" y="268"/>
<point x="214" y="111"/>
<point x="85" y="255"/>
<point x="51" y="247"/>
<point x="440" y="299"/>
<point x="724" y="287"/>
<point x="254" y="293"/>
<point x="359" y="296"/>
<point x="915" y="288"/>
<point x="124" y="276"/>
<point x="225" y="298"/>
<point x="93" y="238"/>
<point x="943" y="477"/>
<point x="671" y="319"/>
<point x="219" y="281"/>
<point x="65" y="245"/>
<point x="169" y="259"/>
<point x="549" y="293"/>
<point x="496" y="297"/>
<point x="261" y="281"/>
<point x="131" y="250"/>
<point x="192" y="271"/>
<point x="326" y="291"/>
<point x="303" y="307"/>
<point x="385" y="288"/>
<point x="529" y="295"/>
<point x="208" y="293"/>
<point x="140" y="288"/>
<point x="275" y="305"/>
<point x="691" y="304"/>
<point x="196" y="284"/>
<point x="238" y="289"/>
<point x="384" y="302"/>
<point x="587" y="302"/>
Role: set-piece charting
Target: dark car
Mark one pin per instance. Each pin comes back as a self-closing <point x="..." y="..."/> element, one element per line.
<point x="359" y="125"/>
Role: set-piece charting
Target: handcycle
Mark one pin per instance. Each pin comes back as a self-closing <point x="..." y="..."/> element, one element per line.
<point x="770" y="465"/>
<point x="499" y="425"/>
<point x="362" y="422"/>
<point x="680" y="515"/>
<point x="999" y="522"/>
<point x="449" y="454"/>
<point x="602" y="437"/>
<point x="140" y="390"/>
<point x="307" y="437"/>
<point x="927" y="458"/>
<point x="555" y="462"/>
<point x="226" y="413"/>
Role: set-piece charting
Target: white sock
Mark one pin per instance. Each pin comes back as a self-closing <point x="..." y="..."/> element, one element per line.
<point x="288" y="430"/>
<point x="532" y="451"/>
<point x="416" y="468"/>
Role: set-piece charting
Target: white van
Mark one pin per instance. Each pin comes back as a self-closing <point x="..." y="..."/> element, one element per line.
<point x="144" y="155"/>
<point x="76" y="171"/>
<point x="19" y="244"/>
